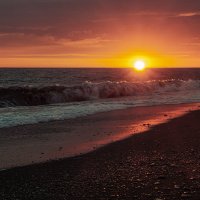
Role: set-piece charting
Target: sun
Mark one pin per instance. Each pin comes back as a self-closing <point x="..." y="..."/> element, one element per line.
<point x="139" y="65"/>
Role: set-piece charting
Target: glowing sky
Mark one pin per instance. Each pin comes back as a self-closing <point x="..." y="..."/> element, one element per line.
<point x="99" y="33"/>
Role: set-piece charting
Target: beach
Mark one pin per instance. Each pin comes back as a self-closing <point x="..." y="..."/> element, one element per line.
<point x="99" y="100"/>
<point x="41" y="142"/>
<point x="157" y="159"/>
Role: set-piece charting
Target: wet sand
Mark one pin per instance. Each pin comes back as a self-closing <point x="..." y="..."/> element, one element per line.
<point x="161" y="163"/>
<point x="28" y="144"/>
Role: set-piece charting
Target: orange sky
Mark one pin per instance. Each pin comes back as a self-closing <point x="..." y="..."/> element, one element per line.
<point x="99" y="33"/>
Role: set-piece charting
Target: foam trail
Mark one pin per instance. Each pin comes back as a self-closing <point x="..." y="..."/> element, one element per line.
<point x="13" y="116"/>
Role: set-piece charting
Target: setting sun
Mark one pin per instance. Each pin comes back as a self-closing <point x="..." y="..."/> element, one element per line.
<point x="139" y="65"/>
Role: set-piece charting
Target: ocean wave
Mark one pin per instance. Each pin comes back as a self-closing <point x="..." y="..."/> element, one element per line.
<point x="33" y="96"/>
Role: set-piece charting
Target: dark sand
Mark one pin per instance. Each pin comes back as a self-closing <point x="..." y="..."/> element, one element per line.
<point x="36" y="143"/>
<point x="163" y="163"/>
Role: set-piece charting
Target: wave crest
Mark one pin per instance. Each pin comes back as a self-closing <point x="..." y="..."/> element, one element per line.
<point x="32" y="96"/>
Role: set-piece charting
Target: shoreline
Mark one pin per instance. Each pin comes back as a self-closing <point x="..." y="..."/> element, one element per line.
<point x="161" y="163"/>
<point x="42" y="142"/>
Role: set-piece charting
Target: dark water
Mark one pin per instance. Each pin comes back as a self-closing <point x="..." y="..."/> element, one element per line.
<point x="37" y="95"/>
<point x="68" y="77"/>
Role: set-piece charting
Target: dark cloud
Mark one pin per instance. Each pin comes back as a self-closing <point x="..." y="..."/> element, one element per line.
<point x="82" y="19"/>
<point x="21" y="39"/>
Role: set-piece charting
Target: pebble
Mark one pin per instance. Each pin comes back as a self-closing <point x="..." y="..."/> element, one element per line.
<point x="176" y="186"/>
<point x="173" y="165"/>
<point x="185" y="195"/>
<point x="152" y="164"/>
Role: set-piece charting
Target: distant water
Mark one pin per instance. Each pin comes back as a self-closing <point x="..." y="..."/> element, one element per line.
<point x="38" y="95"/>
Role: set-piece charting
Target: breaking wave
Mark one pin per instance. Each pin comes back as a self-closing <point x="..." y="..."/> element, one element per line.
<point x="32" y="96"/>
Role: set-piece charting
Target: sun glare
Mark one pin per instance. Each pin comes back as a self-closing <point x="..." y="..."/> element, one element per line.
<point x="139" y="65"/>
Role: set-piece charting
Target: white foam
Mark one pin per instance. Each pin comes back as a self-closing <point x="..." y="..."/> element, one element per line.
<point x="13" y="116"/>
<point x="28" y="96"/>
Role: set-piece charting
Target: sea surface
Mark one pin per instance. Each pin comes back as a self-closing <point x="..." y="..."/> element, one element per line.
<point x="29" y="96"/>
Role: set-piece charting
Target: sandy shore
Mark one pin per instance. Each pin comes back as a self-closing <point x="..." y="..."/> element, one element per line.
<point x="28" y="144"/>
<point x="159" y="164"/>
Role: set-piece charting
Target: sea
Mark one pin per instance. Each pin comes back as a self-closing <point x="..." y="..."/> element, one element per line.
<point x="29" y="96"/>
